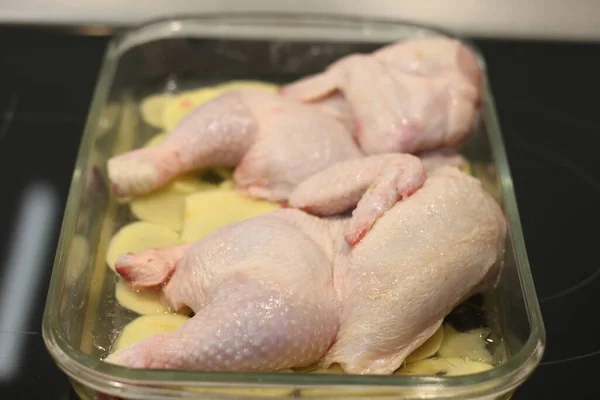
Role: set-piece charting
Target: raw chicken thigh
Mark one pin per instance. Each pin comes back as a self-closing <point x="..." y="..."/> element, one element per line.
<point x="274" y="142"/>
<point x="416" y="262"/>
<point x="262" y="293"/>
<point x="407" y="97"/>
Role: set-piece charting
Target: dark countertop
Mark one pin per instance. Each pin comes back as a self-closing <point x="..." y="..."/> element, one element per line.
<point x="545" y="96"/>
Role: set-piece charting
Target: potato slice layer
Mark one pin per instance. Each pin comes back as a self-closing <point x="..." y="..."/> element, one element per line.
<point x="152" y="109"/>
<point x="146" y="326"/>
<point x="184" y="103"/>
<point x="429" y="348"/>
<point x="138" y="236"/>
<point x="450" y="366"/>
<point x="163" y="207"/>
<point x="143" y="302"/>
<point x="208" y="211"/>
<point x="467" y="345"/>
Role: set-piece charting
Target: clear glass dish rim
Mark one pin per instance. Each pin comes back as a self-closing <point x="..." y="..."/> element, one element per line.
<point x="113" y="379"/>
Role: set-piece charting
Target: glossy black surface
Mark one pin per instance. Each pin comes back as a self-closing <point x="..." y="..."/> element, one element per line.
<point x="546" y="99"/>
<point x="46" y="82"/>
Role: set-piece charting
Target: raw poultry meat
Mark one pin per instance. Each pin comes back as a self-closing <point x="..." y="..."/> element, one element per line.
<point x="410" y="96"/>
<point x="262" y="293"/>
<point x="414" y="265"/>
<point x="274" y="142"/>
<point x="294" y="291"/>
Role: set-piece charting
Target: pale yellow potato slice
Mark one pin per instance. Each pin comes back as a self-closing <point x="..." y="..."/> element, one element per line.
<point x="146" y="326"/>
<point x="142" y="302"/>
<point x="240" y="84"/>
<point x="155" y="140"/>
<point x="450" y="366"/>
<point x="138" y="236"/>
<point x="227" y="184"/>
<point x="163" y="207"/>
<point x="466" y="168"/>
<point x="152" y="109"/>
<point x="315" y="369"/>
<point x="429" y="348"/>
<point x="184" y="103"/>
<point x="468" y="345"/>
<point x="208" y="211"/>
<point x="189" y="184"/>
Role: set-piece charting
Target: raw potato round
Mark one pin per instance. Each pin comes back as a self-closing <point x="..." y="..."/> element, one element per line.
<point x="240" y="84"/>
<point x="152" y="109"/>
<point x="142" y="302"/>
<point x="187" y="101"/>
<point x="184" y="103"/>
<point x="469" y="346"/>
<point x="138" y="236"/>
<point x="146" y="326"/>
<point x="163" y="207"/>
<point x="227" y="184"/>
<point x="208" y="211"/>
<point x="450" y="366"/>
<point x="189" y="184"/>
<point x="429" y="348"/>
<point x="466" y="168"/>
<point x="155" y="140"/>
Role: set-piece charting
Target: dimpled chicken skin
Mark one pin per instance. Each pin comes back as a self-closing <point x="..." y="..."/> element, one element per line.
<point x="419" y="260"/>
<point x="409" y="96"/>
<point x="288" y="289"/>
<point x="273" y="142"/>
<point x="262" y="293"/>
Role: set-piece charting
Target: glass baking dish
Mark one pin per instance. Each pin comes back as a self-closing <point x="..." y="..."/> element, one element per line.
<point x="171" y="55"/>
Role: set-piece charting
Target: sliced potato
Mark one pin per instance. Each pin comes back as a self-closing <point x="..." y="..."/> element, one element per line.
<point x="225" y="173"/>
<point x="152" y="109"/>
<point x="469" y="345"/>
<point x="163" y="207"/>
<point x="429" y="348"/>
<point x="189" y="184"/>
<point x="155" y="140"/>
<point x="466" y="167"/>
<point x="142" y="302"/>
<point x="450" y="366"/>
<point x="240" y="84"/>
<point x="333" y="369"/>
<point x="227" y="184"/>
<point x="184" y="103"/>
<point x="208" y="211"/>
<point x="146" y="326"/>
<point x="138" y="236"/>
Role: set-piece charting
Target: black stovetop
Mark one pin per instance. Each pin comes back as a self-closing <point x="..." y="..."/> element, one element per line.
<point x="545" y="95"/>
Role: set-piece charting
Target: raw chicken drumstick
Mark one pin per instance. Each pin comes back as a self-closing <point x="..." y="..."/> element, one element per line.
<point x="421" y="258"/>
<point x="262" y="293"/>
<point x="410" y="96"/>
<point x="275" y="143"/>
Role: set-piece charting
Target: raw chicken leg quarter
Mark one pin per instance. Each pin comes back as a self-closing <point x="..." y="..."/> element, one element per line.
<point x="420" y="258"/>
<point x="274" y="142"/>
<point x="262" y="293"/>
<point x="410" y="96"/>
